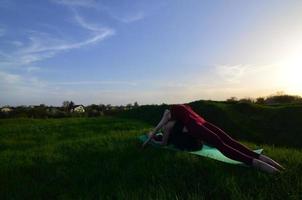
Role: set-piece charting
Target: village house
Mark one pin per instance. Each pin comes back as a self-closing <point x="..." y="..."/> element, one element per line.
<point x="78" y="109"/>
<point x="6" y="109"/>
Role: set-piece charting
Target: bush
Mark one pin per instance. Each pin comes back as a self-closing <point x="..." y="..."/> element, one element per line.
<point x="283" y="99"/>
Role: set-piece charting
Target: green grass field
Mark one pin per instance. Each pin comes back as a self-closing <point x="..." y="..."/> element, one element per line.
<point x="100" y="158"/>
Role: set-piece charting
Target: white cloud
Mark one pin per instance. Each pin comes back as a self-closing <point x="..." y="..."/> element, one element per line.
<point x="245" y="73"/>
<point x="129" y="18"/>
<point x="231" y="73"/>
<point x="9" y="78"/>
<point x="241" y="80"/>
<point x="130" y="83"/>
<point x="17" y="43"/>
<point x="80" y="21"/>
<point x="40" y="43"/>
<point x="13" y="81"/>
<point x="120" y="15"/>
<point x="253" y="81"/>
<point x="2" y="31"/>
<point x="43" y="45"/>
<point x="77" y="3"/>
<point x="94" y="28"/>
<point x="25" y="89"/>
<point x="32" y="69"/>
<point x="220" y="83"/>
<point x="16" y="89"/>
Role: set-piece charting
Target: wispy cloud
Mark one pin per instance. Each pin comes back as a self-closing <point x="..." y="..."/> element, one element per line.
<point x="94" y="28"/>
<point x="9" y="78"/>
<point x="20" y="89"/>
<point x="245" y="80"/>
<point x="32" y="69"/>
<point x="11" y="81"/>
<point x="2" y="31"/>
<point x="17" y="43"/>
<point x="124" y="17"/>
<point x="77" y="3"/>
<point x="43" y="45"/>
<point x="241" y="73"/>
<point x="231" y="73"/>
<point x="128" y="18"/>
<point x="130" y="83"/>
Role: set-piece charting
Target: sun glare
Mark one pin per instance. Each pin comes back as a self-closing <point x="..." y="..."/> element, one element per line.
<point x="291" y="73"/>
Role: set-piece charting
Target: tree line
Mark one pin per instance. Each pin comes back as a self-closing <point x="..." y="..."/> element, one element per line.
<point x="68" y="109"/>
<point x="276" y="99"/>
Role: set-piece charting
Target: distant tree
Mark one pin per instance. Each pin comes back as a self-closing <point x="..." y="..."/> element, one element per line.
<point x="92" y="110"/>
<point x="21" y="111"/>
<point x="283" y="98"/>
<point x="260" y="100"/>
<point x="102" y="107"/>
<point x="67" y="105"/>
<point x="39" y="112"/>
<point x="108" y="107"/>
<point x="129" y="106"/>
<point x="71" y="105"/>
<point x="121" y="107"/>
<point x="135" y="104"/>
<point x="93" y="107"/>
<point x="232" y="99"/>
<point x="246" y="100"/>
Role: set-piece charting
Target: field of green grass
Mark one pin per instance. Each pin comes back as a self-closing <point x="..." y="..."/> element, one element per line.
<point x="101" y="158"/>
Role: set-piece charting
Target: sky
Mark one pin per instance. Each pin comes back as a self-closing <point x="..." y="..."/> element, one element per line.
<point x="160" y="51"/>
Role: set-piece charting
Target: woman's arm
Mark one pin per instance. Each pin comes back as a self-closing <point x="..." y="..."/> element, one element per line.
<point x="166" y="117"/>
<point x="166" y="134"/>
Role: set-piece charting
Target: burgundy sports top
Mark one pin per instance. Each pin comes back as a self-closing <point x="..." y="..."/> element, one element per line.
<point x="185" y="114"/>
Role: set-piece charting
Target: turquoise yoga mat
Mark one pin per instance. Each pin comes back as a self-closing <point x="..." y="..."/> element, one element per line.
<point x="206" y="151"/>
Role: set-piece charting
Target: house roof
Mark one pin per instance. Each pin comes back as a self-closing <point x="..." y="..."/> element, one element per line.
<point x="6" y="108"/>
<point x="75" y="106"/>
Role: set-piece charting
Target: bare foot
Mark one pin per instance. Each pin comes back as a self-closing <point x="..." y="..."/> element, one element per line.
<point x="271" y="162"/>
<point x="258" y="164"/>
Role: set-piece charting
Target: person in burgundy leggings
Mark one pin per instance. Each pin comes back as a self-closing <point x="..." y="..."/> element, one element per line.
<point x="198" y="128"/>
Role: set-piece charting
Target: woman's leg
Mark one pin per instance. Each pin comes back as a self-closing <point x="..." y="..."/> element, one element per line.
<point x="230" y="141"/>
<point x="235" y="144"/>
<point x="271" y="162"/>
<point x="211" y="138"/>
<point x="259" y="164"/>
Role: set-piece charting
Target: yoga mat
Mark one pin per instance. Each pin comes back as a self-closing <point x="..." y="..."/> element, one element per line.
<point x="206" y="151"/>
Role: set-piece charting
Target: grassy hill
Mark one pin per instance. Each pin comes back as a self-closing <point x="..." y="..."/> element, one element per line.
<point x="279" y="125"/>
<point x="100" y="158"/>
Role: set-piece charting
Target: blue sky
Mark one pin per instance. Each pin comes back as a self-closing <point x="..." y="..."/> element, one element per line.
<point x="117" y="52"/>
